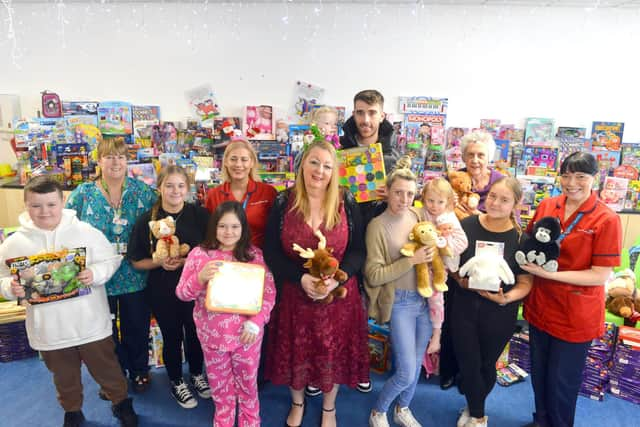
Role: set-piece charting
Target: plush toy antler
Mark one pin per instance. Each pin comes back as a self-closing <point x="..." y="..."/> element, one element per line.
<point x="322" y="264"/>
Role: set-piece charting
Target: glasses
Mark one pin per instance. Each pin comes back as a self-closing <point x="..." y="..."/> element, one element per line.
<point x="317" y="165"/>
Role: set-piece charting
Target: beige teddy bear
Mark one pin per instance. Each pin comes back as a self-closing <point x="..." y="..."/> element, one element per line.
<point x="468" y="201"/>
<point x="168" y="245"/>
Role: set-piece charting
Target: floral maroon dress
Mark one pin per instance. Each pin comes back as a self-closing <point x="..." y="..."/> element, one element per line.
<point x="310" y="342"/>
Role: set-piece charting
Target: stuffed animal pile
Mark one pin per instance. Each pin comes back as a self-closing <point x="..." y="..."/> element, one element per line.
<point x="623" y="299"/>
<point x="541" y="247"/>
<point x="468" y="201"/>
<point x="325" y="266"/>
<point x="425" y="234"/>
<point x="168" y="245"/>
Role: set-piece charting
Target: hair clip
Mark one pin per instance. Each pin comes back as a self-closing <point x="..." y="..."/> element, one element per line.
<point x="314" y="134"/>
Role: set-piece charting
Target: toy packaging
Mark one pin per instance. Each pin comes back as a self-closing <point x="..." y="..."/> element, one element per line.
<point x="51" y="105"/>
<point x="607" y="162"/>
<point x="114" y="118"/>
<point x="144" y="118"/>
<point x="538" y="132"/>
<point x="305" y="97"/>
<point x="361" y="170"/>
<point x="510" y="374"/>
<point x="505" y="132"/>
<point x="436" y="107"/>
<point x="379" y="347"/>
<point x="225" y="128"/>
<point x="490" y="125"/>
<point x="379" y="353"/>
<point x="453" y="153"/>
<point x="607" y="135"/>
<point x="236" y="288"/>
<point x="614" y="191"/>
<point x="51" y="276"/>
<point x="258" y="122"/>
<point x="202" y="100"/>
<point x="72" y="108"/>
<point x="144" y="172"/>
<point x="573" y="132"/>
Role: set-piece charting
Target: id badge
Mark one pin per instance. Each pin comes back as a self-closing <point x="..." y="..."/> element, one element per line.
<point x="119" y="225"/>
<point x="120" y="221"/>
<point x="120" y="248"/>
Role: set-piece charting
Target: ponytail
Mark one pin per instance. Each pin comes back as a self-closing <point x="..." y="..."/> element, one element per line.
<point x="515" y="223"/>
<point x="154" y="215"/>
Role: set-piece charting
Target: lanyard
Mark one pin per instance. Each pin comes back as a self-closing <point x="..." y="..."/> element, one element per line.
<point x="570" y="227"/>
<point x="117" y="208"/>
<point x="246" y="200"/>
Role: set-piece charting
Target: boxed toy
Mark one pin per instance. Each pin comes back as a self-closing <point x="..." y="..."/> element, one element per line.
<point x="361" y="170"/>
<point x="51" y="276"/>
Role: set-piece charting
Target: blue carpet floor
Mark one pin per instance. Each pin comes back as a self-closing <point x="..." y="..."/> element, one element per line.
<point x="28" y="399"/>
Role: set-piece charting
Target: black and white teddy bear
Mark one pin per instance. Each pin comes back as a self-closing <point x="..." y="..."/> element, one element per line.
<point x="541" y="247"/>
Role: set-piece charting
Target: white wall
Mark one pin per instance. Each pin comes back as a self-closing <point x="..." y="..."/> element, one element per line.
<point x="510" y="63"/>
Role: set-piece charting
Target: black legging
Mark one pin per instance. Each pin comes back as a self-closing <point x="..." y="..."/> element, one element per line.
<point x="175" y="319"/>
<point x="481" y="328"/>
<point x="448" y="362"/>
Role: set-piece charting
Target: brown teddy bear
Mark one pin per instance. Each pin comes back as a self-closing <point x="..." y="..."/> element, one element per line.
<point x="168" y="245"/>
<point x="324" y="265"/>
<point x="622" y="297"/>
<point x="468" y="201"/>
<point x="425" y="234"/>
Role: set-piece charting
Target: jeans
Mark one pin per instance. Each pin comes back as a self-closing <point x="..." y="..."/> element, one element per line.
<point x="556" y="376"/>
<point x="410" y="335"/>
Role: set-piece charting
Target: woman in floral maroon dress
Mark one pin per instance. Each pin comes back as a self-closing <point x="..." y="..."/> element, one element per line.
<point x="311" y="342"/>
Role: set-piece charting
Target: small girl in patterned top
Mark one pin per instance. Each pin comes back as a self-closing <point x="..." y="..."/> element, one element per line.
<point x="230" y="342"/>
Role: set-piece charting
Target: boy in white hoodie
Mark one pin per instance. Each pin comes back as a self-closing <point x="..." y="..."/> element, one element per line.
<point x="74" y="330"/>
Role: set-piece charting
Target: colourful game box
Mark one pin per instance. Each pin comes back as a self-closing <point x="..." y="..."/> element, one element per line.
<point x="51" y="276"/>
<point x="362" y="171"/>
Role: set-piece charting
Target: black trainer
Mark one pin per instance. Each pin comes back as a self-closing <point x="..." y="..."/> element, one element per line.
<point x="364" y="387"/>
<point x="124" y="412"/>
<point x="312" y="391"/>
<point x="200" y="384"/>
<point x="182" y="394"/>
<point x="73" y="419"/>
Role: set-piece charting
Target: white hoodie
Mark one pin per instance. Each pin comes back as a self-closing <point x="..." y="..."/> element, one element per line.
<point x="75" y="321"/>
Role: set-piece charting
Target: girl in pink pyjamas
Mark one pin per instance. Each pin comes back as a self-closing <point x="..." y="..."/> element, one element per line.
<point x="230" y="342"/>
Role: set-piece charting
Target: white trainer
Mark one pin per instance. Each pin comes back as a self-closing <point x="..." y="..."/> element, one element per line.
<point x="477" y="422"/>
<point x="403" y="417"/>
<point x="378" y="419"/>
<point x="464" y="417"/>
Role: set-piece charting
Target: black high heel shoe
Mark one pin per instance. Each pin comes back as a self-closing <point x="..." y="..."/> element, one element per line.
<point x="298" y="405"/>
<point x="326" y="410"/>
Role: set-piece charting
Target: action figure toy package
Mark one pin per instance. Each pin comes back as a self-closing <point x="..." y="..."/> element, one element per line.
<point x="50" y="276"/>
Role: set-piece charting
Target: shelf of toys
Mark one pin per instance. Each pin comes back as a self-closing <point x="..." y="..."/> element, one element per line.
<point x="62" y="143"/>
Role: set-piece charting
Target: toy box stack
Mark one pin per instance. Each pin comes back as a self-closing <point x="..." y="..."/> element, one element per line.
<point x="519" y="350"/>
<point x="379" y="347"/>
<point x="596" y="371"/>
<point x="624" y="381"/>
<point x="14" y="344"/>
